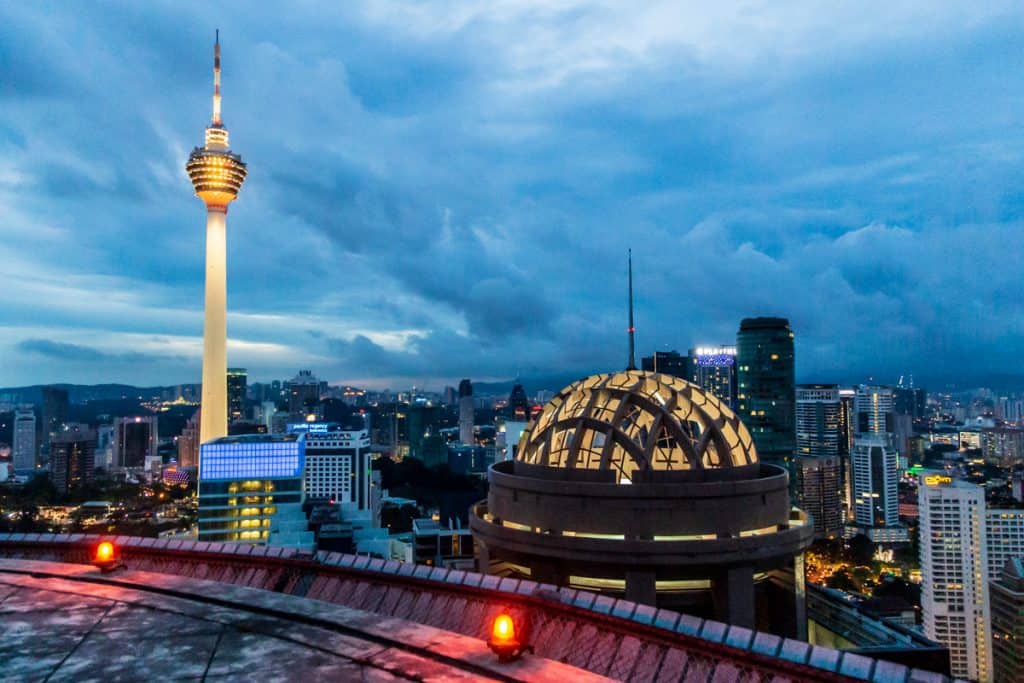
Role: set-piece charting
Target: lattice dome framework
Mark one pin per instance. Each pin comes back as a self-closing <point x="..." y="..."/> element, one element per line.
<point x="632" y="421"/>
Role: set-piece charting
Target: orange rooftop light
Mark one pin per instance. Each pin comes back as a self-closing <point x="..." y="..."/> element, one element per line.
<point x="503" y="640"/>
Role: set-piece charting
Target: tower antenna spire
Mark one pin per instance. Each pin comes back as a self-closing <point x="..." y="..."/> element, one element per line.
<point x="631" y="329"/>
<point x="216" y="79"/>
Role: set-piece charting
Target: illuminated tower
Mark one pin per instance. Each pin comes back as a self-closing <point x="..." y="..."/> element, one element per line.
<point x="217" y="175"/>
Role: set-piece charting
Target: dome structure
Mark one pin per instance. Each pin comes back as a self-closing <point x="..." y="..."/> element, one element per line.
<point x="634" y="422"/>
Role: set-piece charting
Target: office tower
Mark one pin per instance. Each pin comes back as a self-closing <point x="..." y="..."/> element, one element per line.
<point x="135" y="439"/>
<point x="518" y="404"/>
<point x="250" y="490"/>
<point x="909" y="401"/>
<point x="54" y="413"/>
<point x="713" y="368"/>
<point x="1007" y="605"/>
<point x="847" y="433"/>
<point x="72" y="457"/>
<point x="874" y="406"/>
<point x="766" y="386"/>
<point x="875" y="497"/>
<point x="217" y="176"/>
<point x="337" y="463"/>
<point x="188" y="442"/>
<point x="466" y="412"/>
<point x="303" y="393"/>
<point x="667" y="363"/>
<point x="105" y="446"/>
<point x="24" y="446"/>
<point x="818" y="467"/>
<point x="421" y="427"/>
<point x="236" y="393"/>
<point x="954" y="599"/>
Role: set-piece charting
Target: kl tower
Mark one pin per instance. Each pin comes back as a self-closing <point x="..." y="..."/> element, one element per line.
<point x="217" y="175"/>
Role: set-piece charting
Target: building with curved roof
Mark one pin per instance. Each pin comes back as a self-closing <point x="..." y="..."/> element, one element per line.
<point x="643" y="485"/>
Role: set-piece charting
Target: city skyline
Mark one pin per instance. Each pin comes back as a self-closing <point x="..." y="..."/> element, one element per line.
<point x="422" y="214"/>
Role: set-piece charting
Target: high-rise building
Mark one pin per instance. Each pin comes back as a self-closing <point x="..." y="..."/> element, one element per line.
<point x="1007" y="603"/>
<point x="818" y="417"/>
<point x="765" y="394"/>
<point x="875" y="479"/>
<point x="954" y="599"/>
<point x="188" y="442"/>
<point x="135" y="439"/>
<point x="236" y="393"/>
<point x="713" y="368"/>
<point x="466" y="412"/>
<point x="54" y="413"/>
<point x="72" y="457"/>
<point x="667" y="363"/>
<point x="24" y="446"/>
<point x="337" y="463"/>
<point x="818" y="467"/>
<point x="875" y="407"/>
<point x="847" y="433"/>
<point x="251" y="490"/>
<point x="304" y="393"/>
<point x="518" y="404"/>
<point x="217" y="176"/>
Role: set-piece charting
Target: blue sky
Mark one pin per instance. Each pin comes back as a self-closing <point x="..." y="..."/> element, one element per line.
<point x="448" y="189"/>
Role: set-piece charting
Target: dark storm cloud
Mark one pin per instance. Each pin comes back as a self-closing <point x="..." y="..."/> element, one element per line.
<point x="439" y="190"/>
<point x="76" y="353"/>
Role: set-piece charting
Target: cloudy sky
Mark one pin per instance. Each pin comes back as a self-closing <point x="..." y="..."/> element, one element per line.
<point x="448" y="189"/>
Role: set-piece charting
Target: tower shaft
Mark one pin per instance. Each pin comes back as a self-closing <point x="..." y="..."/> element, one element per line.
<point x="213" y="421"/>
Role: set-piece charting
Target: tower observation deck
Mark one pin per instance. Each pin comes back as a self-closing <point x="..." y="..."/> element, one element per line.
<point x="217" y="176"/>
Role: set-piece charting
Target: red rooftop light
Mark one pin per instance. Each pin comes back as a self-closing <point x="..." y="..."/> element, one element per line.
<point x="503" y="640"/>
<point x="107" y="557"/>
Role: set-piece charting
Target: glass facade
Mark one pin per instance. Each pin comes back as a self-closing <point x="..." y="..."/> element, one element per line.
<point x="767" y="382"/>
<point x="251" y="490"/>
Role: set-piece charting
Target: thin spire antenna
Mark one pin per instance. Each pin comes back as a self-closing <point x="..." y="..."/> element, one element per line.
<point x="216" y="79"/>
<point x="631" y="329"/>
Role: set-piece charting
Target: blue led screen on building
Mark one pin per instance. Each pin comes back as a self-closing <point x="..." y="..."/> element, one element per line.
<point x="245" y="459"/>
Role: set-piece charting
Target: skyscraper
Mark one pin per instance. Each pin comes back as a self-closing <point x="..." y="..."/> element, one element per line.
<point x="874" y="406"/>
<point x="1007" y="603"/>
<point x="954" y="602"/>
<point x="135" y="439"/>
<point x="250" y="490"/>
<point x="337" y="463"/>
<point x="236" y="393"/>
<point x="875" y="496"/>
<point x="713" y="368"/>
<point x="518" y="404"/>
<point x="54" y="413"/>
<point x="24" y="446"/>
<point x="818" y="470"/>
<point x="304" y="393"/>
<point x="217" y="176"/>
<point x="72" y="457"/>
<point x="766" y="384"/>
<point x="667" y="363"/>
<point x="466" y="412"/>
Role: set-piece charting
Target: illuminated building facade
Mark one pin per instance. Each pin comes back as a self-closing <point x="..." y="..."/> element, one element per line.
<point x="135" y="439"/>
<point x="24" y="447"/>
<point x="236" y="379"/>
<point x="875" y="479"/>
<point x="766" y="386"/>
<point x="188" y="442"/>
<point x="954" y="557"/>
<point x="217" y="176"/>
<point x="251" y="490"/>
<point x="644" y="485"/>
<point x="818" y="468"/>
<point x="713" y="368"/>
<point x="337" y="463"/>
